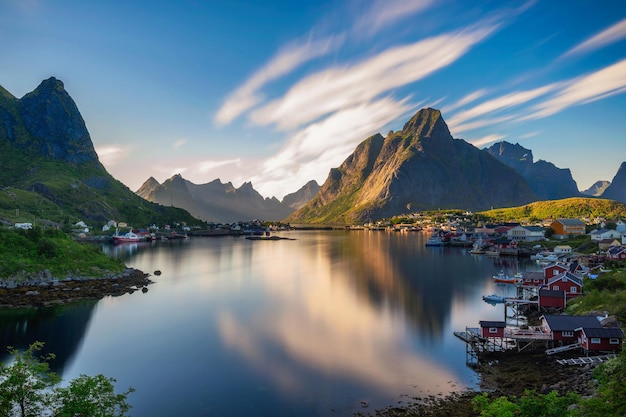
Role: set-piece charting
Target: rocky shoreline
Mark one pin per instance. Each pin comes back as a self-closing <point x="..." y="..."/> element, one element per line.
<point x="508" y="374"/>
<point x="46" y="291"/>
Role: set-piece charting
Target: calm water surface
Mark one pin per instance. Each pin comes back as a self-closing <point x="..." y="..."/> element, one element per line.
<point x="328" y="324"/>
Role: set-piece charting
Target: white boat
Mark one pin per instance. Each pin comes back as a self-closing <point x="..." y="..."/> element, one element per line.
<point x="127" y="237"/>
<point x="434" y="241"/>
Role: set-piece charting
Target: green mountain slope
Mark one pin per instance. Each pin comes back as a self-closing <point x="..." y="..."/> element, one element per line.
<point x="576" y="207"/>
<point x="50" y="169"/>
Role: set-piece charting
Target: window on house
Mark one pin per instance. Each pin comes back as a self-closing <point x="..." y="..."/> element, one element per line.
<point x="555" y="288"/>
<point x="555" y="273"/>
<point x="567" y="333"/>
<point x="573" y="289"/>
<point x="493" y="330"/>
<point x="595" y="340"/>
<point x="614" y="341"/>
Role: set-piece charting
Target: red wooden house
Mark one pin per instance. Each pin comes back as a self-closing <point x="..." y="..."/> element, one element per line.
<point x="600" y="340"/>
<point x="568" y="282"/>
<point x="534" y="279"/>
<point x="492" y="328"/>
<point x="616" y="253"/>
<point x="554" y="269"/>
<point x="563" y="328"/>
<point x="552" y="299"/>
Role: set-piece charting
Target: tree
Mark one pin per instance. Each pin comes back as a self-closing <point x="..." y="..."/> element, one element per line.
<point x="91" y="396"/>
<point x="28" y="389"/>
<point x="25" y="384"/>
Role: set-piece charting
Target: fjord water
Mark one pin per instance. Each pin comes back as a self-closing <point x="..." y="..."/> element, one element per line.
<point x="331" y="323"/>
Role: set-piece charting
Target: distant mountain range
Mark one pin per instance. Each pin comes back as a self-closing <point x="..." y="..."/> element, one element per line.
<point x="223" y="203"/>
<point x="50" y="168"/>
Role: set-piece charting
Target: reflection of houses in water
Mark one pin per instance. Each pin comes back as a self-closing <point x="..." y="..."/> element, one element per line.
<point x="61" y="328"/>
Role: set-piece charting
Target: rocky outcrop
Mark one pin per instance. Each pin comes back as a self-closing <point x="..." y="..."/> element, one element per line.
<point x="617" y="190"/>
<point x="546" y="180"/>
<point x="302" y="196"/>
<point x="418" y="168"/>
<point x="597" y="188"/>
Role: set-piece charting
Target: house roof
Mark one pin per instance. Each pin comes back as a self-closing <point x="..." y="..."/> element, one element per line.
<point x="486" y="323"/>
<point x="571" y="222"/>
<point x="571" y="323"/>
<point x="569" y="276"/>
<point x="552" y="293"/>
<point x="614" y="250"/>
<point x="605" y="332"/>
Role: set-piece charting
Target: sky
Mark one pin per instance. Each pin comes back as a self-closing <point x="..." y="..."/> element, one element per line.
<point x="277" y="93"/>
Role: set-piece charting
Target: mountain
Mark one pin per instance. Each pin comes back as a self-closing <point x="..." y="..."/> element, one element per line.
<point x="545" y="179"/>
<point x="302" y="196"/>
<point x="420" y="167"/>
<point x="215" y="201"/>
<point x="617" y="190"/>
<point x="597" y="188"/>
<point x="50" y="168"/>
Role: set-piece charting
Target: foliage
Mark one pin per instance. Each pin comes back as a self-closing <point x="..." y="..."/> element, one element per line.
<point x="531" y="404"/>
<point x="610" y="398"/>
<point x="88" y="396"/>
<point x="29" y="389"/>
<point x="32" y="251"/>
<point x="25" y="385"/>
<point x="605" y="293"/>
<point x="566" y="208"/>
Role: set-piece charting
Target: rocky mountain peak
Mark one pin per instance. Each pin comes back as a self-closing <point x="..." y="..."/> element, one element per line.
<point x="617" y="190"/>
<point x="55" y="124"/>
<point x="427" y="124"/>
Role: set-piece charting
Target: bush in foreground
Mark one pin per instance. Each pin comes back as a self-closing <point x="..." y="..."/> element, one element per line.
<point x="29" y="389"/>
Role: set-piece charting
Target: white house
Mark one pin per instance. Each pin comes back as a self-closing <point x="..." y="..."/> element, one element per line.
<point x="526" y="233"/>
<point x="601" y="234"/>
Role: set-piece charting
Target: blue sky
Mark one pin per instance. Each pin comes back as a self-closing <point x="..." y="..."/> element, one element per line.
<point x="279" y="92"/>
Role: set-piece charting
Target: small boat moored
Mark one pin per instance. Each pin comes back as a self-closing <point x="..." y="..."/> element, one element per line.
<point x="494" y="299"/>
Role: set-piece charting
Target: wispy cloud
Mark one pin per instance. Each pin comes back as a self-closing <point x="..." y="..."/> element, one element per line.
<point x="384" y="13"/>
<point x="601" y="84"/>
<point x="343" y="87"/>
<point x="179" y="143"/>
<point x="610" y="35"/>
<point x="470" y="98"/>
<point x="110" y="155"/>
<point x="206" y="166"/>
<point x="311" y="151"/>
<point x="498" y="104"/>
<point x="247" y="96"/>
<point x="487" y="140"/>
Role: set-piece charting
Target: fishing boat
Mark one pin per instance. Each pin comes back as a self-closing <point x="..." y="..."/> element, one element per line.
<point x="434" y="241"/>
<point x="505" y="279"/>
<point x="127" y="237"/>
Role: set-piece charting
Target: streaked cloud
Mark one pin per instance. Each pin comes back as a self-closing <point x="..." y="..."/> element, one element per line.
<point x="506" y="101"/>
<point x="342" y="87"/>
<point x="247" y="96"/>
<point x="179" y="143"/>
<point x="110" y="155"/>
<point x="470" y="98"/>
<point x="613" y="34"/>
<point x="384" y="13"/>
<point x="311" y="151"/>
<point x="205" y="166"/>
<point x="485" y="140"/>
<point x="601" y="84"/>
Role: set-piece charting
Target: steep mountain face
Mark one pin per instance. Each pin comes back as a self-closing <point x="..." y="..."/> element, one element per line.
<point x="215" y="201"/>
<point x="597" y="188"/>
<point x="545" y="179"/>
<point x="420" y="167"/>
<point x="617" y="190"/>
<point x="45" y="149"/>
<point x="302" y="196"/>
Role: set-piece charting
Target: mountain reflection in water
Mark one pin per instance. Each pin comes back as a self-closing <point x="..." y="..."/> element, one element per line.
<point x="322" y="324"/>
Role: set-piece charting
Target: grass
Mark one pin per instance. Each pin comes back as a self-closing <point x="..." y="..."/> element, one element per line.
<point x="25" y="253"/>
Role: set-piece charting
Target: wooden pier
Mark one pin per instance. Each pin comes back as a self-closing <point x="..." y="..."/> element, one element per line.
<point x="586" y="360"/>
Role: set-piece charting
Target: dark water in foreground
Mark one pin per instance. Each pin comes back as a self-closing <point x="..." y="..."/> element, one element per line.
<point x="329" y="324"/>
